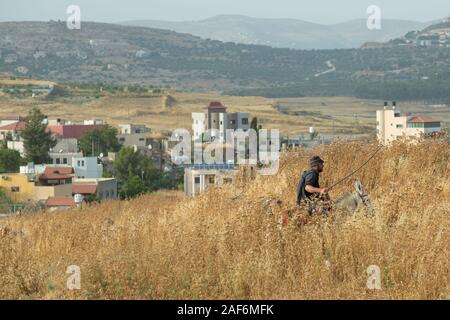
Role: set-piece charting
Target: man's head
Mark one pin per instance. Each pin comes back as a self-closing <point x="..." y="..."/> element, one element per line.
<point x="317" y="163"/>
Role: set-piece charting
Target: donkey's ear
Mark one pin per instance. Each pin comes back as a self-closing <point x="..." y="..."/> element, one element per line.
<point x="358" y="186"/>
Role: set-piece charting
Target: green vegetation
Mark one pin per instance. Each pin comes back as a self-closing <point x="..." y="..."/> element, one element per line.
<point x="5" y="202"/>
<point x="137" y="176"/>
<point x="100" y="141"/>
<point x="10" y="161"/>
<point x="181" y="60"/>
<point x="437" y="90"/>
<point x="37" y="140"/>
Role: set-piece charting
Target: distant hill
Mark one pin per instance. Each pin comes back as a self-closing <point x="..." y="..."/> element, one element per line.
<point x="286" y="33"/>
<point x="118" y="54"/>
<point x="436" y="34"/>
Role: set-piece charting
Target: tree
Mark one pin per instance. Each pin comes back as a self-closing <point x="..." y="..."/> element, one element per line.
<point x="5" y="202"/>
<point x="37" y="140"/>
<point x="254" y="124"/>
<point x="131" y="166"/>
<point x="98" y="141"/>
<point x="130" y="163"/>
<point x="133" y="187"/>
<point x="10" y="161"/>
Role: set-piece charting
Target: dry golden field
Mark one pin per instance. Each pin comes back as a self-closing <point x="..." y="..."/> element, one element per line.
<point x="224" y="245"/>
<point x="339" y="115"/>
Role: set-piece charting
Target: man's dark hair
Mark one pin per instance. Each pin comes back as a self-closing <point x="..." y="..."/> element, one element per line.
<point x="315" y="161"/>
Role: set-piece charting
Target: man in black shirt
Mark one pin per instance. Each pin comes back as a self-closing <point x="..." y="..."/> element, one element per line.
<point x="309" y="187"/>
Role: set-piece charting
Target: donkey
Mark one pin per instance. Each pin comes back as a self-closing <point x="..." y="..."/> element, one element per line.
<point x="352" y="201"/>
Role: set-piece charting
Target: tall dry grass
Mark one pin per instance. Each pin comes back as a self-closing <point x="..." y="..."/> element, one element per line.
<point x="224" y="245"/>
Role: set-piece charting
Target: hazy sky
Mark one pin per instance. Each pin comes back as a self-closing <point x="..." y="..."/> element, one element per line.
<point x="321" y="11"/>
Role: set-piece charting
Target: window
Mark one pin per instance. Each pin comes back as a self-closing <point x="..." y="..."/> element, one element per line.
<point x="82" y="163"/>
<point x="399" y="126"/>
<point x="141" y="139"/>
<point x="245" y="121"/>
<point x="65" y="160"/>
<point x="197" y="180"/>
<point x="415" y="125"/>
<point x="78" y="163"/>
<point x="58" y="160"/>
<point x="211" y="180"/>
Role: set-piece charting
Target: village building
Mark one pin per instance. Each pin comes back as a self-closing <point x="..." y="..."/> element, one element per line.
<point x="391" y="125"/>
<point x="216" y="119"/>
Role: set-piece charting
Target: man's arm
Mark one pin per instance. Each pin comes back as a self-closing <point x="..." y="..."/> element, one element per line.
<point x="313" y="179"/>
<point x="312" y="189"/>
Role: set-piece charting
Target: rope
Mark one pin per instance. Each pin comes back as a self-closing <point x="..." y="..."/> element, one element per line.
<point x="359" y="168"/>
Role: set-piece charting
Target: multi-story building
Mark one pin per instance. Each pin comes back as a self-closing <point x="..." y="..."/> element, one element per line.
<point x="64" y="151"/>
<point x="133" y="135"/>
<point x="216" y="119"/>
<point x="73" y="131"/>
<point x="391" y="125"/>
<point x="130" y="128"/>
<point x="12" y="130"/>
<point x="87" y="167"/>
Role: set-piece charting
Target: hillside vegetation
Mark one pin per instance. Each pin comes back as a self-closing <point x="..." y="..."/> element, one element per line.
<point x="224" y="244"/>
<point x="122" y="54"/>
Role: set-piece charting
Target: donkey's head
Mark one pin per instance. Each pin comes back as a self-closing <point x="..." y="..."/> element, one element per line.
<point x="363" y="195"/>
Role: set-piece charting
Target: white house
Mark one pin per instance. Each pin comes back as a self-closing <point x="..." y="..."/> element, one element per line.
<point x="391" y="125"/>
<point x="87" y="168"/>
<point x="216" y="119"/>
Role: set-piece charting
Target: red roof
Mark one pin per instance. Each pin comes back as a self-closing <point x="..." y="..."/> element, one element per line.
<point x="17" y="126"/>
<point x="84" y="189"/>
<point x="55" y="173"/>
<point x="11" y="117"/>
<point x="60" y="202"/>
<point x="215" y="105"/>
<point x="422" y="120"/>
<point x="75" y="131"/>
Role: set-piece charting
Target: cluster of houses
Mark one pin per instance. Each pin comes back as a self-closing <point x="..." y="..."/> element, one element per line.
<point x="69" y="175"/>
<point x="437" y="35"/>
